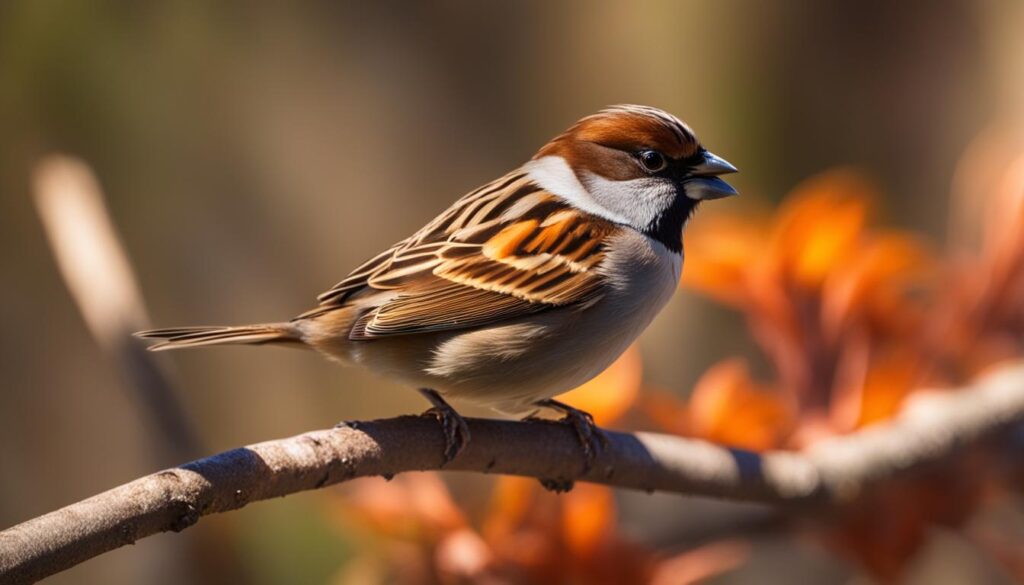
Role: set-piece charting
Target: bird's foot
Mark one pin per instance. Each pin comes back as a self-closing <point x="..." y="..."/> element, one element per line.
<point x="558" y="486"/>
<point x="592" y="439"/>
<point x="456" y="431"/>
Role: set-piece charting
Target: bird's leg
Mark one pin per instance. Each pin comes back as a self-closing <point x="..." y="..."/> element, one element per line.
<point x="456" y="431"/>
<point x="592" y="439"/>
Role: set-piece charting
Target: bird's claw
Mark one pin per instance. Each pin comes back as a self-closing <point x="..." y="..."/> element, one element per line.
<point x="592" y="438"/>
<point x="558" y="486"/>
<point x="456" y="431"/>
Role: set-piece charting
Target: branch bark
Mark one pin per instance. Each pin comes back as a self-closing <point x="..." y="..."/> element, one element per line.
<point x="932" y="427"/>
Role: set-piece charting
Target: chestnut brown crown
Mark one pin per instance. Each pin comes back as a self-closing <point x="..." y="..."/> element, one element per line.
<point x="626" y="128"/>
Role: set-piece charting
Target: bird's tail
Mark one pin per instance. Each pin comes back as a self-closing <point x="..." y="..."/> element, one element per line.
<point x="182" y="337"/>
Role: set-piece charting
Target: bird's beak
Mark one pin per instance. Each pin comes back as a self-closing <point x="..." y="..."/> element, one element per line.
<point x="703" y="182"/>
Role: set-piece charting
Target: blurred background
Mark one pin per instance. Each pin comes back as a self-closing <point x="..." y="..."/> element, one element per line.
<point x="252" y="153"/>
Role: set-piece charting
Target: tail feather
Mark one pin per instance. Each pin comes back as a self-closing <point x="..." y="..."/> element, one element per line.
<point x="182" y="337"/>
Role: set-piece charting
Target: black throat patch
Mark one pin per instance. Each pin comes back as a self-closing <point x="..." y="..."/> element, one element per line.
<point x="668" y="227"/>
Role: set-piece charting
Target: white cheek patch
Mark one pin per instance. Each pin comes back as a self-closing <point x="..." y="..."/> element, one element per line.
<point x="642" y="201"/>
<point x="553" y="175"/>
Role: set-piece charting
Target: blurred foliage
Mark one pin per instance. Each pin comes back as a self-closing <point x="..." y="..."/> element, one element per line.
<point x="854" y="320"/>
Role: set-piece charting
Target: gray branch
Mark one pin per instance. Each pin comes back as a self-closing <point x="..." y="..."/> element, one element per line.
<point x="931" y="428"/>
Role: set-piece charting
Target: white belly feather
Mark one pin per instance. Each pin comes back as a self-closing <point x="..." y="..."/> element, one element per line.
<point x="509" y="366"/>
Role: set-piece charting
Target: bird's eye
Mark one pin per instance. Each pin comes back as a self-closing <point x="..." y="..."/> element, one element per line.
<point x="652" y="160"/>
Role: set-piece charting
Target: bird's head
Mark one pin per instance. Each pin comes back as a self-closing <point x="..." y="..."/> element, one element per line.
<point x="634" y="165"/>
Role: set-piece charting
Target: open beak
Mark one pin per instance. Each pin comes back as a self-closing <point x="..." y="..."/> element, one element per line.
<point x="703" y="182"/>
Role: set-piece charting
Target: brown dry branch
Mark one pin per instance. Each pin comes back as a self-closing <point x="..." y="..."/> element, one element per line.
<point x="99" y="276"/>
<point x="932" y="427"/>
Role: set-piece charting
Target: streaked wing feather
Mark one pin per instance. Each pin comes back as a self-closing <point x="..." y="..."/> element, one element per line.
<point x="358" y="277"/>
<point x="445" y="308"/>
<point x="506" y="250"/>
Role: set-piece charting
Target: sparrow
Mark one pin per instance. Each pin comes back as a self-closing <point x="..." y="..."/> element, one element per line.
<point x="525" y="288"/>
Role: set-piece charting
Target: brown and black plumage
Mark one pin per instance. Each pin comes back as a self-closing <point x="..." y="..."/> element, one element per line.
<point x="524" y="288"/>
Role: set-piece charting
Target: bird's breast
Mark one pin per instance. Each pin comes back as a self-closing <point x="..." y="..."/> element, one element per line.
<point x="642" y="274"/>
<point x="509" y="366"/>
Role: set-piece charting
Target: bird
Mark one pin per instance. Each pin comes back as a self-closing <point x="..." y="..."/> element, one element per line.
<point x="524" y="288"/>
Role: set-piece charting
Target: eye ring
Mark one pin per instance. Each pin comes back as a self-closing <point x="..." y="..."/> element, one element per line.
<point x="652" y="160"/>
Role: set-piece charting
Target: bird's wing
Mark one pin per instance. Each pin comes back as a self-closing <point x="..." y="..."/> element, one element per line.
<point x="506" y="250"/>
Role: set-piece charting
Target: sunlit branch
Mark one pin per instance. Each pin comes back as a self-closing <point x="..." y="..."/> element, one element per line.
<point x="832" y="471"/>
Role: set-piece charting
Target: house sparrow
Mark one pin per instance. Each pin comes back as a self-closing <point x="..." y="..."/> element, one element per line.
<point x="524" y="288"/>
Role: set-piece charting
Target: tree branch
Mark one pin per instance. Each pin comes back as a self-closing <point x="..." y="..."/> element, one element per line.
<point x="933" y="426"/>
<point x="99" y="276"/>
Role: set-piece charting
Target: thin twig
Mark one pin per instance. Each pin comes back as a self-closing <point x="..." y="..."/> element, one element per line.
<point x="833" y="471"/>
<point x="101" y="281"/>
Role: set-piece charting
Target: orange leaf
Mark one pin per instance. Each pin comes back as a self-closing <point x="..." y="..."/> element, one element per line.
<point x="609" y="395"/>
<point x="876" y="393"/>
<point x="890" y="379"/>
<point x="588" y="518"/>
<point x="720" y="252"/>
<point x="819" y="225"/>
<point x="666" y="411"/>
<point x="511" y="501"/>
<point x="727" y="406"/>
<point x="876" y="280"/>
<point x="413" y="505"/>
<point x="888" y="525"/>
